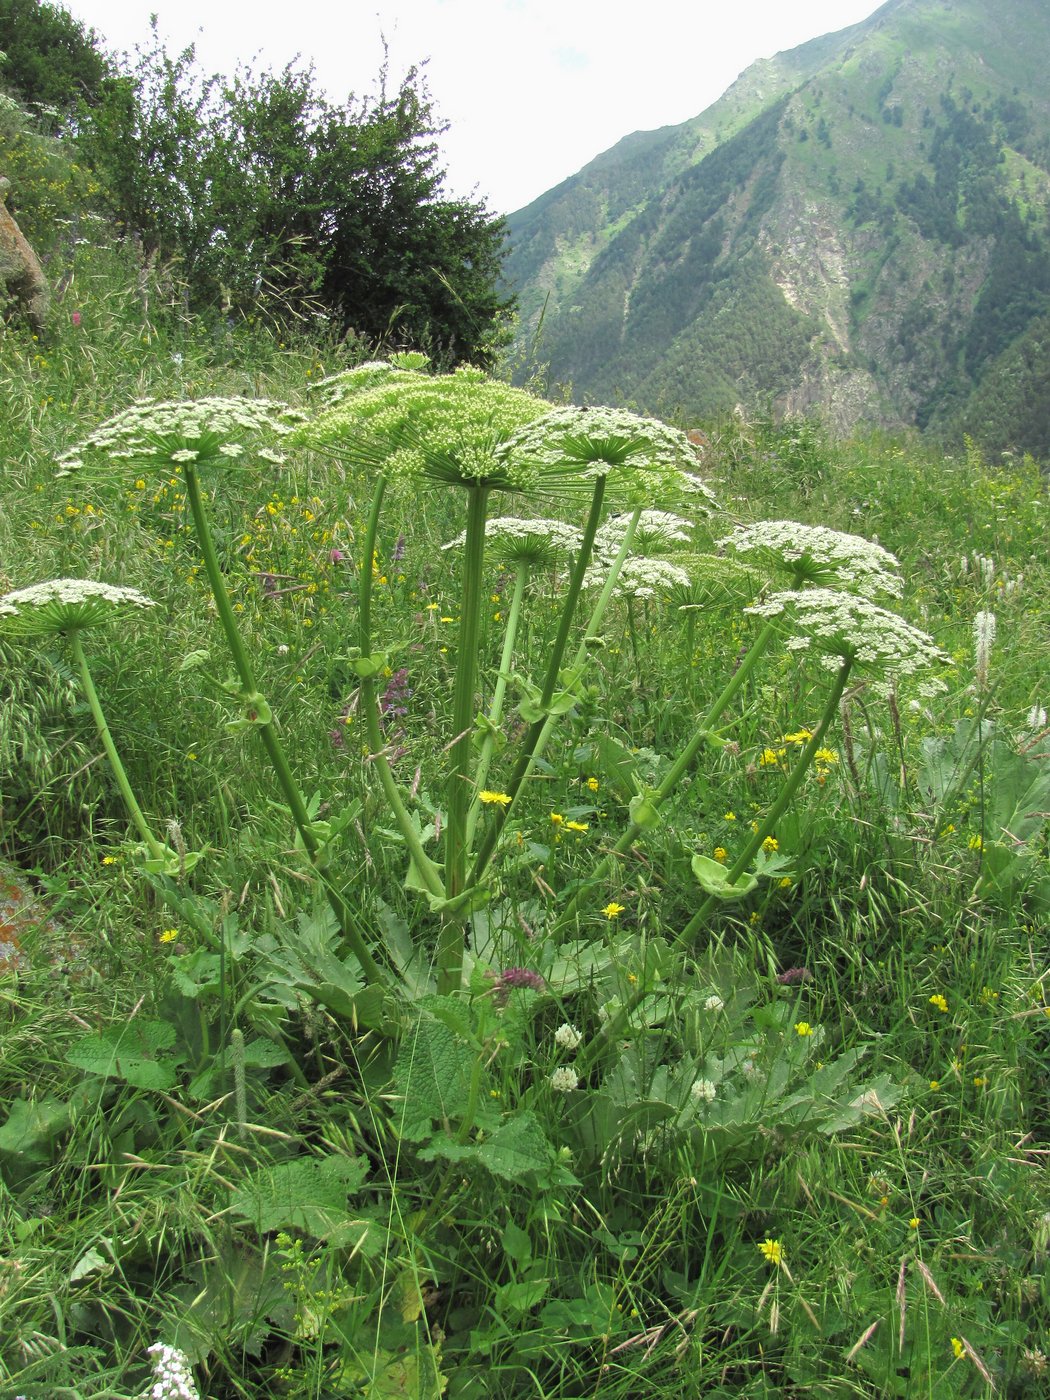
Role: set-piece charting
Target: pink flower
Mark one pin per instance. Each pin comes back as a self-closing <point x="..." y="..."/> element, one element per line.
<point x="336" y="556"/>
<point x="75" y="318"/>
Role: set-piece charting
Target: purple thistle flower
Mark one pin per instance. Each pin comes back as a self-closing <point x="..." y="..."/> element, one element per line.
<point x="793" y="975"/>
<point x="504" y="982"/>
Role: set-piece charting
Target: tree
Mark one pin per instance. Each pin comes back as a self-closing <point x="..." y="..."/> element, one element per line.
<point x="51" y="60"/>
<point x="265" y="189"/>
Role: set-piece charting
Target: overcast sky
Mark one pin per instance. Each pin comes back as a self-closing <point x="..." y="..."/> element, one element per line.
<point x="533" y="89"/>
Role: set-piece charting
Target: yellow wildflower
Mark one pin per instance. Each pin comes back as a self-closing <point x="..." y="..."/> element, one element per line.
<point x="773" y="1251"/>
<point x="499" y="799"/>
<point x="613" y="910"/>
<point x="803" y="1028"/>
<point x="770" y="844"/>
<point x="939" y="1002"/>
<point x="593" y="784"/>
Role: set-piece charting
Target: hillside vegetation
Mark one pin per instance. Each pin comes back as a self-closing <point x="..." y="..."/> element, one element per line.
<point x="859" y="225"/>
<point x="500" y="900"/>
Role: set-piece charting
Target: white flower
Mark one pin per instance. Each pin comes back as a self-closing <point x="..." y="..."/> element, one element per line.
<point x="704" y="1091"/>
<point x="514" y="541"/>
<point x="638" y="578"/>
<point x="983" y="640"/>
<point x="656" y="530"/>
<point x="197" y="431"/>
<point x="172" y="1376"/>
<point x="714" y="1003"/>
<point x="1036" y="717"/>
<point x="816" y="555"/>
<point x="572" y="443"/>
<point x="445" y="427"/>
<point x="568" y="1037"/>
<point x="65" y="605"/>
<point x="847" y="627"/>
<point x="564" y="1080"/>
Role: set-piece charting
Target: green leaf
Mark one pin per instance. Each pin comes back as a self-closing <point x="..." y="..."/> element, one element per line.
<point x="309" y="1194"/>
<point x="130" y="1053"/>
<point x="644" y="812"/>
<point x="432" y="1077"/>
<point x="713" y="879"/>
<point x="32" y="1128"/>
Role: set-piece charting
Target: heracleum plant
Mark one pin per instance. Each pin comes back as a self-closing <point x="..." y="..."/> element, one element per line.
<point x="483" y="437"/>
<point x="69" y="607"/>
<point x="202" y="440"/>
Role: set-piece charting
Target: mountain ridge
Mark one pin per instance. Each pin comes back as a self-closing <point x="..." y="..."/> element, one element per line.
<point x="859" y="224"/>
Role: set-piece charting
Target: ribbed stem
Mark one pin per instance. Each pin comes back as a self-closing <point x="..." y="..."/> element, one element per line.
<point x="267" y="731"/>
<point x="561" y="641"/>
<point x="499" y="695"/>
<point x="154" y="847"/>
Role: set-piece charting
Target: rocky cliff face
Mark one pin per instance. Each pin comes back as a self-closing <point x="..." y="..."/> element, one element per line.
<point x="859" y="226"/>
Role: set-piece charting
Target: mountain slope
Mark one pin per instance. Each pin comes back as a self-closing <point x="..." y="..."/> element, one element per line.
<point x="859" y="224"/>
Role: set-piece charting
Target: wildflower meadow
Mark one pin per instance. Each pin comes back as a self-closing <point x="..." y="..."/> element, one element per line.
<point x="503" y="901"/>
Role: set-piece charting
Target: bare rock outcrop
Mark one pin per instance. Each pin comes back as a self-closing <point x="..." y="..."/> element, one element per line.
<point x="23" y="286"/>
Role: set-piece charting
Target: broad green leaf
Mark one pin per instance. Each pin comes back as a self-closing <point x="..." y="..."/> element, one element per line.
<point x="713" y="879"/>
<point x="432" y="1077"/>
<point x="308" y="1193"/>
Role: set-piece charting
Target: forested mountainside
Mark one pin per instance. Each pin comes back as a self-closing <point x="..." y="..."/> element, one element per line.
<point x="860" y="224"/>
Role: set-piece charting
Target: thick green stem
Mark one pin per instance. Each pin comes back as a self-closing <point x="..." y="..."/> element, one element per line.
<point x="561" y="641"/>
<point x="267" y="731"/>
<point x="460" y="789"/>
<point x="499" y="695"/>
<point x="154" y="847"/>
<point x="780" y="806"/>
<point x="370" y="707"/>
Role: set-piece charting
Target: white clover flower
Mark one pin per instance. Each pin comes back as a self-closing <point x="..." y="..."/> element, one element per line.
<point x="568" y="1037"/>
<point x="704" y="1091"/>
<point x="714" y="1003"/>
<point x="638" y="578"/>
<point x="564" y="1080"/>
<point x="65" y="605"/>
<point x="849" y="627"/>
<point x="514" y="541"/>
<point x="172" y="1375"/>
<point x="190" y="431"/>
<point x="822" y="557"/>
<point x="647" y="458"/>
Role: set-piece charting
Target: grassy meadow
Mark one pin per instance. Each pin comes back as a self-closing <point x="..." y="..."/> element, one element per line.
<point x="575" y="1107"/>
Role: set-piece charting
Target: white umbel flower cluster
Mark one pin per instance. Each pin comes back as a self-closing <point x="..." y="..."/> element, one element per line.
<point x="183" y="432"/>
<point x="172" y="1376"/>
<point x="638" y="577"/>
<point x="848" y="627"/>
<point x="567" y="1037"/>
<point x="820" y="556"/>
<point x="65" y="605"/>
<point x="656" y="532"/>
<point x="570" y="443"/>
<point x="514" y="541"/>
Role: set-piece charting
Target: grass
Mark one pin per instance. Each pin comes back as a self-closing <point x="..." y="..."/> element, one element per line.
<point x="202" y="1146"/>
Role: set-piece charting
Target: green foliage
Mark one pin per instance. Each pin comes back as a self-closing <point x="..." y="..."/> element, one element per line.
<point x="267" y="193"/>
<point x="51" y="60"/>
